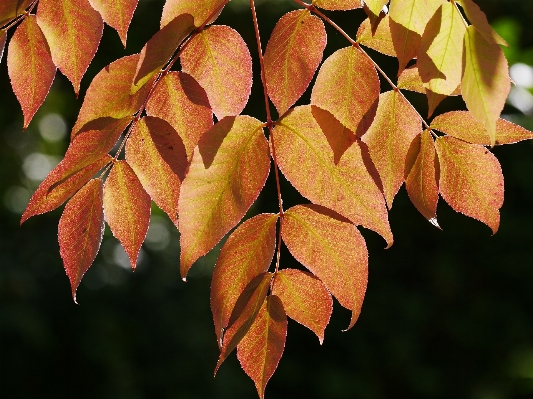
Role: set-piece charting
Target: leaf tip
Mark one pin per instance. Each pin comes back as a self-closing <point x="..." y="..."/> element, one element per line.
<point x="435" y="223"/>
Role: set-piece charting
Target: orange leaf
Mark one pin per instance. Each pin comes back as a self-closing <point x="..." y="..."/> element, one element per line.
<point x="228" y="169"/>
<point x="246" y="254"/>
<point x="117" y="14"/>
<point x="219" y="60"/>
<point x="305" y="157"/>
<point x="159" y="49"/>
<point x="127" y="208"/>
<point x="73" y="30"/>
<point x="182" y="102"/>
<point x="380" y="40"/>
<point x="10" y="9"/>
<point x="156" y="153"/>
<point x="305" y="299"/>
<point x="261" y="349"/>
<point x="292" y="56"/>
<point x="332" y="249"/>
<point x="421" y="183"/>
<point x="347" y="85"/>
<point x="471" y="180"/>
<point x="30" y="67"/>
<point x="338" y="4"/>
<point x="201" y="10"/>
<point x="3" y="39"/>
<point x="376" y="5"/>
<point x="80" y="231"/>
<point x="395" y="126"/>
<point x="486" y="83"/>
<point x="243" y="314"/>
<point x="479" y="20"/>
<point x="462" y="125"/>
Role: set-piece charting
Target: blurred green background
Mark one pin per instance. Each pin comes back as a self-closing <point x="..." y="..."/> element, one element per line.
<point x="448" y="314"/>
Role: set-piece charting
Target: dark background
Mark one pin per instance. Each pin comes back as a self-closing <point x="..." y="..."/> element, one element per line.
<point x="447" y="313"/>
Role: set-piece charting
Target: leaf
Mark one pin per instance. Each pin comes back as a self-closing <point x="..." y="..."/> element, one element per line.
<point x="305" y="299"/>
<point x="60" y="184"/>
<point x="244" y="313"/>
<point x="376" y="5"/>
<point x="10" y="9"/>
<point x="3" y="39"/>
<point x="347" y="85"/>
<point x="117" y="14"/>
<point x="308" y="162"/>
<point x="30" y="67"/>
<point x="332" y="249"/>
<point x="292" y="56"/>
<point x="181" y="101"/>
<point x="395" y="126"/>
<point x="479" y="20"/>
<point x="462" y="125"/>
<point x="156" y="153"/>
<point x="261" y="349"/>
<point x="486" y="83"/>
<point x="408" y="19"/>
<point x="471" y="180"/>
<point x="73" y="30"/>
<point x="219" y="60"/>
<point x="247" y="253"/>
<point x="159" y="49"/>
<point x="80" y="231"/>
<point x="421" y="183"/>
<point x="441" y="50"/>
<point x="229" y="168"/>
<point x="126" y="208"/>
<point x="380" y="40"/>
<point x="108" y="94"/>
<point x="201" y="10"/>
<point x="338" y="4"/>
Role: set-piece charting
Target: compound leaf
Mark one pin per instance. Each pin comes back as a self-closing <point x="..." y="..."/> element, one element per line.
<point x="117" y="14"/>
<point x="201" y="10"/>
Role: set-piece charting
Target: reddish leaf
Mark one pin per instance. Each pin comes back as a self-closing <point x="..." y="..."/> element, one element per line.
<point x="80" y="231"/>
<point x="471" y="180"/>
<point x="182" y="102"/>
<point x="117" y="14"/>
<point x="10" y="9"/>
<point x="305" y="299"/>
<point x="376" y="5"/>
<point x="30" y="67"/>
<point x="486" y="83"/>
<point x="3" y="39"/>
<point x="73" y="30"/>
<point x="380" y="40"/>
<point x="479" y="20"/>
<point x="261" y="349"/>
<point x="292" y="56"/>
<point x="244" y="313"/>
<point x="219" y="60"/>
<point x="159" y="49"/>
<point x="246" y="254"/>
<point x="421" y="183"/>
<point x="305" y="157"/>
<point x="332" y="249"/>
<point x="338" y="4"/>
<point x="156" y="153"/>
<point x="127" y="208"/>
<point x="228" y="170"/>
<point x="201" y="10"/>
<point x="395" y="126"/>
<point x="347" y="85"/>
<point x="462" y="125"/>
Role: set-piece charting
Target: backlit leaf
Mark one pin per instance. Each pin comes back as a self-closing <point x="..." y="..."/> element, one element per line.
<point x="471" y="180"/>
<point x="305" y="299"/>
<point x="30" y="67"/>
<point x="73" y="30"/>
<point x="380" y="40"/>
<point x="306" y="158"/>
<point x="220" y="61"/>
<point x="347" y="85"/>
<point x="292" y="56"/>
<point x="332" y="249"/>
<point x="229" y="168"/>
<point x="117" y="14"/>
<point x="126" y="208"/>
<point x="338" y="4"/>
<point x="80" y="231"/>
<point x="376" y="5"/>
<point x="479" y="20"/>
<point x="156" y="153"/>
<point x="201" y="10"/>
<point x="261" y="349"/>
<point x="3" y="39"/>
<point x="10" y="9"/>
<point x="486" y="83"/>
<point x="159" y="49"/>
<point x="462" y="125"/>
<point x="182" y="102"/>
<point x="421" y="183"/>
<point x="246" y="254"/>
<point x="395" y="126"/>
